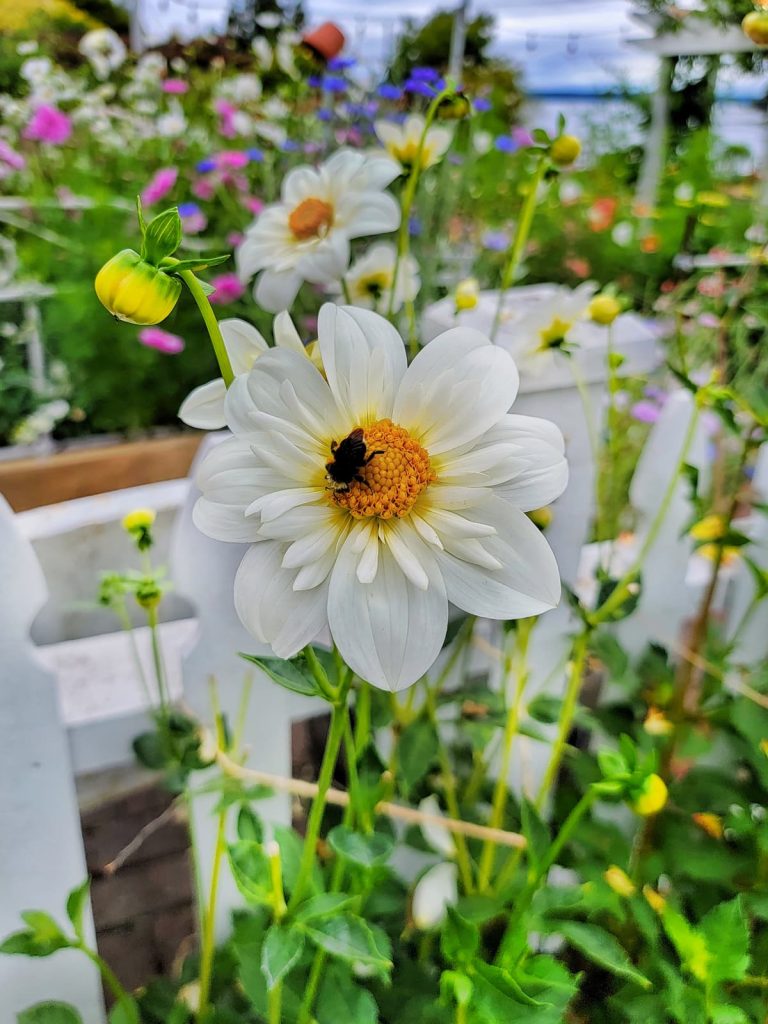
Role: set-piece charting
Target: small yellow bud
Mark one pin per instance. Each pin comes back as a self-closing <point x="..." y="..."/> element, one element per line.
<point x="466" y="294"/>
<point x="565" y="150"/>
<point x="712" y="824"/>
<point x="656" y="723"/>
<point x="709" y="528"/>
<point x="135" y="291"/>
<point x="139" y="519"/>
<point x="619" y="881"/>
<point x="655" y="900"/>
<point x="652" y="797"/>
<point x="604" y="309"/>
<point x="541" y="517"/>
<point x="314" y="355"/>
<point x="755" y="26"/>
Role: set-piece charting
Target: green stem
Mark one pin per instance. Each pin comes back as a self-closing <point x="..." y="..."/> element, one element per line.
<point x="363" y="715"/>
<point x="536" y="877"/>
<point x="110" y="980"/>
<point x="157" y="661"/>
<point x="209" y="933"/>
<point x="121" y="611"/>
<point x="521" y="237"/>
<point x="567" y="714"/>
<point x="333" y="743"/>
<point x="501" y="790"/>
<point x="211" y="323"/>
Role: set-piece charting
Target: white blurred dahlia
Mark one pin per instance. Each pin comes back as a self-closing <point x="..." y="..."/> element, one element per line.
<point x="306" y="235"/>
<point x="402" y="141"/>
<point x="435" y="512"/>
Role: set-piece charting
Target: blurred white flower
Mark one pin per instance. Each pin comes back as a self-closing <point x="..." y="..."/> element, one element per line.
<point x="537" y="333"/>
<point x="623" y="233"/>
<point x="439" y="838"/>
<point x="26" y="48"/>
<point x="245" y="88"/>
<point x="172" y="124"/>
<point x="104" y="50"/>
<point x="482" y="141"/>
<point x="427" y="506"/>
<point x="306" y="235"/>
<point x="402" y="141"/>
<point x="435" y="891"/>
<point x="370" y="279"/>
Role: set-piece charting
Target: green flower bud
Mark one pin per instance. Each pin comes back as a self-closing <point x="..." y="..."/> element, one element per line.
<point x="135" y="291"/>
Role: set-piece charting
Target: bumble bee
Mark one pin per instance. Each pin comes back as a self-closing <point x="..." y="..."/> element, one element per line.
<point x="349" y="457"/>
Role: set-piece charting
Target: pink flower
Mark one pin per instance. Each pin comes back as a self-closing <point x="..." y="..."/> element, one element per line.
<point x="713" y="286"/>
<point x="202" y="189"/>
<point x="234" y="238"/>
<point x="522" y="137"/>
<point x="231" y="160"/>
<point x="253" y="205"/>
<point x="163" y="341"/>
<point x="228" y="288"/>
<point x="175" y="86"/>
<point x="579" y="267"/>
<point x="159" y="186"/>
<point x="10" y="157"/>
<point x="645" y="412"/>
<point x="226" y="114"/>
<point x="48" y="124"/>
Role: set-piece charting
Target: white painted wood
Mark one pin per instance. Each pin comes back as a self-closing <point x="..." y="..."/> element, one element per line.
<point x="41" y="848"/>
<point x="752" y="646"/>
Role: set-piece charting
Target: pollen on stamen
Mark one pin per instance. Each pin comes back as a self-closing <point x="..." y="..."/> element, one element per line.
<point x="393" y="480"/>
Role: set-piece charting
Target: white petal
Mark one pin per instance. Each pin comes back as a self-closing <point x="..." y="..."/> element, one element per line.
<point x="387" y="631"/>
<point x="270" y="608"/>
<point x="528" y="582"/>
<point x="372" y="214"/>
<point x="243" y="344"/>
<point x="224" y="522"/>
<point x="285" y="333"/>
<point x="368" y="565"/>
<point x="204" y="406"/>
<point x="277" y="503"/>
<point x="438" y="838"/>
<point x="364" y="359"/>
<point x="434" y="893"/>
<point x="276" y="289"/>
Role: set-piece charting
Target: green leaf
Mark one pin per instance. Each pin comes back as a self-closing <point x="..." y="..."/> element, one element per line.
<point x="601" y="947"/>
<point x="291" y="850"/>
<point x="416" y="751"/>
<point x="281" y="951"/>
<point x="460" y="939"/>
<point x="323" y="905"/>
<point x="501" y="985"/>
<point x="456" y="987"/>
<point x="727" y="936"/>
<point x="286" y="674"/>
<point x="162" y="236"/>
<point x="727" y="1015"/>
<point x="125" y="1012"/>
<point x="249" y="826"/>
<point x="367" y="851"/>
<point x="77" y="901"/>
<point x="150" y="750"/>
<point x="202" y="263"/>
<point x="42" y="937"/>
<point x="342" y="1001"/>
<point x="250" y="869"/>
<point x="535" y="832"/>
<point x="49" y="1013"/>
<point x="347" y="937"/>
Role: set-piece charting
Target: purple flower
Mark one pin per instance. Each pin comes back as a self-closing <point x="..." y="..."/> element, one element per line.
<point x="332" y="83"/>
<point x="645" y="412"/>
<point x="414" y="226"/>
<point x="163" y="341"/>
<point x="160" y="185"/>
<point x="324" y="114"/>
<point x="482" y="103"/>
<point x="496" y="241"/>
<point x="11" y="158"/>
<point x="424" y="74"/>
<point x="204" y="166"/>
<point x="315" y="82"/>
<point x="175" y="86"/>
<point x="231" y="160"/>
<point x="289" y="146"/>
<point x="188" y="209"/>
<point x="227" y="288"/>
<point x="522" y="137"/>
<point x="48" y="124"/>
<point x="255" y="155"/>
<point x="506" y="144"/>
<point x="390" y="92"/>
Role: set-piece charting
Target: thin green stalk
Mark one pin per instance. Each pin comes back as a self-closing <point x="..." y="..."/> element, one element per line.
<point x="462" y="1013"/>
<point x="501" y="790"/>
<point x="567" y="714"/>
<point x="333" y="743"/>
<point x="521" y="237"/>
<point x="362" y="715"/>
<point x="623" y="588"/>
<point x="121" y="611"/>
<point x="211" y="323"/>
<point x="157" y="661"/>
<point x="279" y="910"/>
<point x="537" y="876"/>
<point x="110" y="979"/>
<point x="345" y="291"/>
<point x="463" y="859"/>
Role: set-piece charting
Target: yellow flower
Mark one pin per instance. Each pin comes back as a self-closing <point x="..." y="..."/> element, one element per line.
<point x="709" y="528"/>
<point x="135" y="291"/>
<point x="619" y="881"/>
<point x="712" y="824"/>
<point x="604" y="309"/>
<point x="466" y="294"/>
<point x="139" y="519"/>
<point x="565" y="150"/>
<point x="655" y="900"/>
<point x="709" y="551"/>
<point x="656" y="723"/>
<point x="714" y="199"/>
<point x="652" y="797"/>
<point x="541" y="517"/>
<point x="755" y="26"/>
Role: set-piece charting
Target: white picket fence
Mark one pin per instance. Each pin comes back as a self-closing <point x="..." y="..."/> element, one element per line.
<point x="51" y="733"/>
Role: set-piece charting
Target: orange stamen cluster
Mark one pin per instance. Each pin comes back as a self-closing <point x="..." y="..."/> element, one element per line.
<point x="311" y="219"/>
<point x="393" y="480"/>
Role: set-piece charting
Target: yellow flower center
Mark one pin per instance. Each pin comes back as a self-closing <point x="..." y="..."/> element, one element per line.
<point x="406" y="152"/>
<point x="374" y="285"/>
<point x="553" y="336"/>
<point x="311" y="219"/>
<point x="393" y="479"/>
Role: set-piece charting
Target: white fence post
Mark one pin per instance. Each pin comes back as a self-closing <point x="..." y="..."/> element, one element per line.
<point x="41" y="845"/>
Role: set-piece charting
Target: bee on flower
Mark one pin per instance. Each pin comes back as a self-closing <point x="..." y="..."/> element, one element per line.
<point x="378" y="493"/>
<point x="403" y="141"/>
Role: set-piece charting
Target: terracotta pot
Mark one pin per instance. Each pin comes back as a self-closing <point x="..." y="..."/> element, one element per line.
<point x="327" y="40"/>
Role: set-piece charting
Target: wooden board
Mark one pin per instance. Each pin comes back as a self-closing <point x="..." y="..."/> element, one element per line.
<point x="79" y="472"/>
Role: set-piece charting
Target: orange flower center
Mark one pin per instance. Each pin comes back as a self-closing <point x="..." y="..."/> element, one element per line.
<point x="393" y="479"/>
<point x="311" y="219"/>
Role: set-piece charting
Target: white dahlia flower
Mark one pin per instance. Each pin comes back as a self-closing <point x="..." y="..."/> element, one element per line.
<point x="370" y="278"/>
<point x="554" y="324"/>
<point x="305" y="236"/>
<point x="375" y="493"/>
<point x="401" y="141"/>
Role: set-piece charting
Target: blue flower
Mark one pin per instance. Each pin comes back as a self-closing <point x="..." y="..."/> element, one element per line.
<point x="289" y="146"/>
<point x="389" y="92"/>
<point x="341" y="63"/>
<point x="205" y="165"/>
<point x="482" y="103"/>
<point x="332" y="83"/>
<point x="425" y="74"/>
<point x="324" y="114"/>
<point x="414" y="226"/>
<point x="506" y="144"/>
<point x="417" y="86"/>
<point x="496" y="241"/>
<point x="315" y="82"/>
<point x="188" y="209"/>
<point x="255" y="155"/>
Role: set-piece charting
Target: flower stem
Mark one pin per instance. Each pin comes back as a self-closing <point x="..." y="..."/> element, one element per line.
<point x="522" y="640"/>
<point x="157" y="660"/>
<point x="110" y="980"/>
<point x="211" y="323"/>
<point x="333" y="743"/>
<point x="521" y="237"/>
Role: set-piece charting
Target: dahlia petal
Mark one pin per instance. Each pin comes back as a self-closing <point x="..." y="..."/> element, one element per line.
<point x="224" y="522"/>
<point x="204" y="406"/>
<point x="277" y="503"/>
<point x="276" y="289"/>
<point x="285" y="333"/>
<point x="243" y="344"/>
